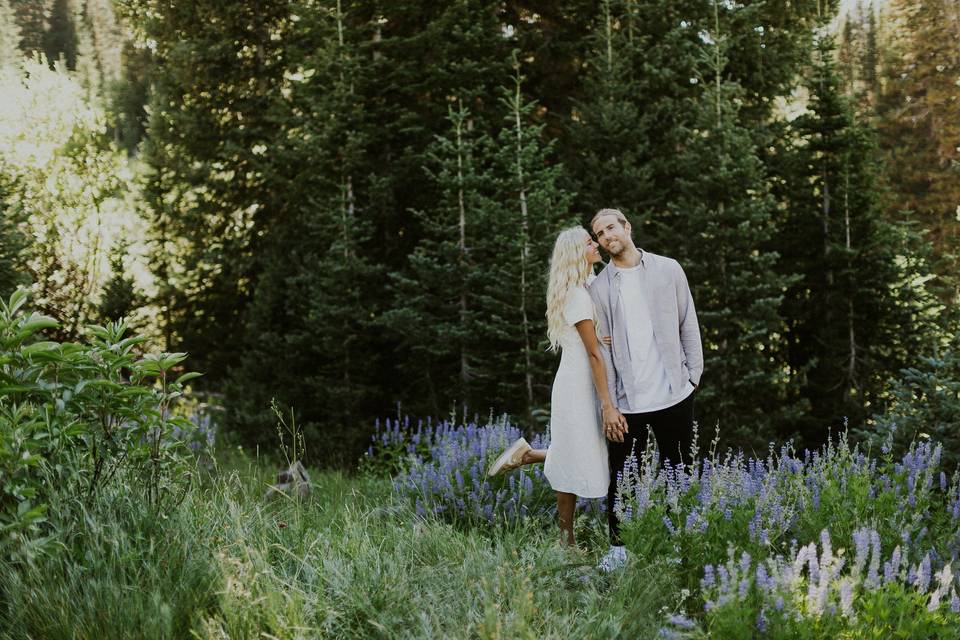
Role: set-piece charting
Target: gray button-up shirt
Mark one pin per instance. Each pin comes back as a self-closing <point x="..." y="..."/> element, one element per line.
<point x="675" y="328"/>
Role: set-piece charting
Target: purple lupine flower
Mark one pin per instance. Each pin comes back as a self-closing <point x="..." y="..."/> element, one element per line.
<point x="923" y="574"/>
<point x="861" y="541"/>
<point x="708" y="577"/>
<point x="681" y="621"/>
<point x="954" y="601"/>
<point x="669" y="524"/>
<point x="846" y="597"/>
<point x="761" y="577"/>
<point x="873" y="577"/>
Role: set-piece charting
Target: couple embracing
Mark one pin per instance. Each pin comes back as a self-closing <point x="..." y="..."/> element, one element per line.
<point x="642" y="373"/>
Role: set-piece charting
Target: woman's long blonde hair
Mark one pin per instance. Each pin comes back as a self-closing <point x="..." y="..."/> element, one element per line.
<point x="569" y="269"/>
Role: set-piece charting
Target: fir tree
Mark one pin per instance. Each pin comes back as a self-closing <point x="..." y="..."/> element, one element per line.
<point x="119" y="298"/>
<point x="536" y="206"/>
<point x="609" y="133"/>
<point x="850" y="325"/>
<point x="307" y="339"/>
<point x="437" y="294"/>
<point x="724" y="217"/>
<point x="919" y="124"/>
<point x="13" y="244"/>
<point x="9" y="36"/>
<point x="217" y="178"/>
<point x="61" y="40"/>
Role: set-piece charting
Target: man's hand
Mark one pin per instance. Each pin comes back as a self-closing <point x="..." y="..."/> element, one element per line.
<point x="614" y="424"/>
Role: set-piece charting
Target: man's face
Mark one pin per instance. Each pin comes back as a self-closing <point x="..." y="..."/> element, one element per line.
<point x="612" y="236"/>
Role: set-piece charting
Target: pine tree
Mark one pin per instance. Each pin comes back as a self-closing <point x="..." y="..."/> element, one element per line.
<point x="13" y="243"/>
<point x="851" y="324"/>
<point x="724" y="218"/>
<point x="9" y="36"/>
<point x="609" y="132"/>
<point x="31" y="18"/>
<point x="61" y="40"/>
<point x="535" y="208"/>
<point x="307" y="339"/>
<point x="919" y="123"/>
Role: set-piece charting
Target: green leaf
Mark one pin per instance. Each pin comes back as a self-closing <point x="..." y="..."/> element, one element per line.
<point x="37" y="321"/>
<point x="17" y="300"/>
<point x="11" y="389"/>
<point x="38" y="347"/>
<point x="187" y="377"/>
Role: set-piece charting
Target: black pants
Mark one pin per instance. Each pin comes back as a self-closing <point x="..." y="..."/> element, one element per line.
<point x="673" y="431"/>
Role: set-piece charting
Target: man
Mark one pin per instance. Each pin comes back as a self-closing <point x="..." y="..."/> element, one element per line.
<point x="654" y="360"/>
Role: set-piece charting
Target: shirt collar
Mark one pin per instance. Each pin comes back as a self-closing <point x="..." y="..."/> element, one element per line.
<point x="615" y="270"/>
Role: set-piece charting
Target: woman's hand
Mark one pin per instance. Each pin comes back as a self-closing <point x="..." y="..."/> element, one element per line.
<point x="614" y="424"/>
<point x="607" y="340"/>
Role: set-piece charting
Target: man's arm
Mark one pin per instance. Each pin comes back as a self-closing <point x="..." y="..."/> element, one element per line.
<point x="603" y="319"/>
<point x="689" y="327"/>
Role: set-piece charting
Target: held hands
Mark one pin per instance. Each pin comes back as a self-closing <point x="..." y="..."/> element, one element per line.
<point x="614" y="424"/>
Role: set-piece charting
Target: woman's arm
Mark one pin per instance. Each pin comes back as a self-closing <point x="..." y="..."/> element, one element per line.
<point x="614" y="424"/>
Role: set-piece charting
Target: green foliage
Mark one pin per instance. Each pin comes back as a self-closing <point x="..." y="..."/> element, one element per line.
<point x="68" y="185"/>
<point x="847" y="312"/>
<point x="60" y="42"/>
<point x="122" y="570"/>
<point x="13" y="243"/>
<point x="925" y="405"/>
<point x="345" y="562"/>
<point x="120" y="297"/>
<point x="74" y="416"/>
<point x="9" y="35"/>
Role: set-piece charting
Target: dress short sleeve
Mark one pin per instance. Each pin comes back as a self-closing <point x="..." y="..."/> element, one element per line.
<point x="579" y="307"/>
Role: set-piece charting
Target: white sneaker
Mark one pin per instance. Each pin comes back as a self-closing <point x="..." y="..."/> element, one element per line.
<point x="615" y="559"/>
<point x="511" y="458"/>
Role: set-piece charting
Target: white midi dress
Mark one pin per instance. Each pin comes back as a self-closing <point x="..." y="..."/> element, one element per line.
<point x="577" y="457"/>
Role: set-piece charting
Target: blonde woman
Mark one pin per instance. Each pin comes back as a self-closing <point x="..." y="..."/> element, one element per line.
<point x="575" y="464"/>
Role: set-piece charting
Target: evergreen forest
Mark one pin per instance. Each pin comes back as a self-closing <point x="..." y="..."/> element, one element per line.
<point x="345" y="208"/>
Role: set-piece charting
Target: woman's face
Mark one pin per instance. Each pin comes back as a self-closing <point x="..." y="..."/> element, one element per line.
<point x="592" y="252"/>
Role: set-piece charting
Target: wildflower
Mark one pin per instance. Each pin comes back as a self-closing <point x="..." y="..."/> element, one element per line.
<point x="923" y="574"/>
<point x="861" y="540"/>
<point x="762" y="621"/>
<point x="873" y="578"/>
<point x="681" y="621"/>
<point x="944" y="580"/>
<point x="846" y="597"/>
<point x="708" y="577"/>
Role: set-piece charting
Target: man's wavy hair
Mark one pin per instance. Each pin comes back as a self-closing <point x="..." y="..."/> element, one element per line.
<point x="609" y="212"/>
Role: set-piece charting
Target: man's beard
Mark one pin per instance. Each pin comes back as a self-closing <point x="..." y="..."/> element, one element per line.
<point x="621" y="247"/>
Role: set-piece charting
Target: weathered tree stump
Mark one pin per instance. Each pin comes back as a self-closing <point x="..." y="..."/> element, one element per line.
<point x="294" y="479"/>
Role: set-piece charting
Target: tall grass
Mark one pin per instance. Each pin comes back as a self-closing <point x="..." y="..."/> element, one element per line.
<point x="347" y="562"/>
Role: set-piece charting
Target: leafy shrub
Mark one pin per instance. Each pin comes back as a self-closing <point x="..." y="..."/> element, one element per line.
<point x="72" y="416"/>
<point x="709" y="513"/>
<point x="816" y="593"/>
<point x="926" y="405"/>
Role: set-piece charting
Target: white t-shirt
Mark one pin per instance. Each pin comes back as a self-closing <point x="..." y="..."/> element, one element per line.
<point x="649" y="372"/>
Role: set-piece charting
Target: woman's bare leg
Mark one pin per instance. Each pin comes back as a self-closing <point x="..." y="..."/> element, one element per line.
<point x="534" y="456"/>
<point x="566" y="503"/>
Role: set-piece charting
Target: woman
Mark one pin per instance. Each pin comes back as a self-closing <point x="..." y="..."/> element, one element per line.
<point x="575" y="464"/>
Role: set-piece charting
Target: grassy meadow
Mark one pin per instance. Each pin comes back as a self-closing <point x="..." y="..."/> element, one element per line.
<point x="346" y="562"/>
